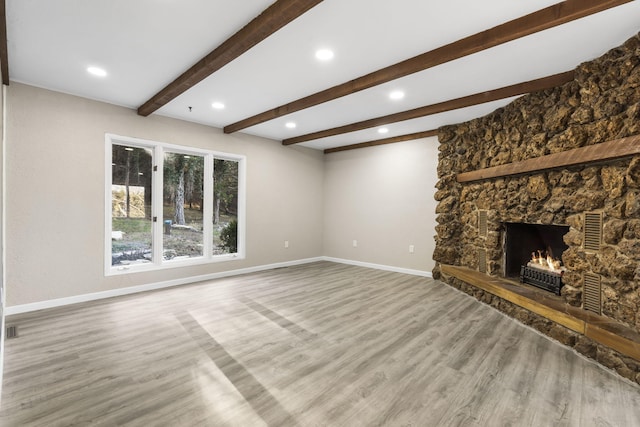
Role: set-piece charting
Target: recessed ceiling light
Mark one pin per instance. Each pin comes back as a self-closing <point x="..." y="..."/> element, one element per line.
<point x="218" y="105"/>
<point x="290" y="125"/>
<point x="99" y="72"/>
<point x="383" y="130"/>
<point x="396" y="94"/>
<point x="324" y="54"/>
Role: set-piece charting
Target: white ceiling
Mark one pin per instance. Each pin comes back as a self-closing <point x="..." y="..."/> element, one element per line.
<point x="145" y="44"/>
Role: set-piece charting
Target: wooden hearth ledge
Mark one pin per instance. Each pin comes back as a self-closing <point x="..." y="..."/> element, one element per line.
<point x="602" y="152"/>
<point x="600" y="329"/>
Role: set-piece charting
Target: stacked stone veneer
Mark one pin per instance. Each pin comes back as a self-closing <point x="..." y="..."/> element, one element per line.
<point x="601" y="104"/>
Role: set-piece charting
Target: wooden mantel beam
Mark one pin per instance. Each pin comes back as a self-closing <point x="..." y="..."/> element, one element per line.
<point x="268" y="22"/>
<point x="543" y="19"/>
<point x="605" y="151"/>
<point x="454" y="104"/>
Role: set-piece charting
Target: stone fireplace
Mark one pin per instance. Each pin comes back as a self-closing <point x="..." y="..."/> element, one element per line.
<point x="489" y="223"/>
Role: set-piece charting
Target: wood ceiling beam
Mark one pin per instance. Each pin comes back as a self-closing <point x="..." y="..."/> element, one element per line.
<point x="543" y="19"/>
<point x="4" y="51"/>
<point x="276" y="16"/>
<point x="441" y="107"/>
<point x="391" y="140"/>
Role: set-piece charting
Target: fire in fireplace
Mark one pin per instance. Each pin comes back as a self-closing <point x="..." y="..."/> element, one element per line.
<point x="532" y="253"/>
<point x="543" y="271"/>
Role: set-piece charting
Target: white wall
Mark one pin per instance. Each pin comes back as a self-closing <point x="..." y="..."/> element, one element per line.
<point x="383" y="198"/>
<point x="55" y="194"/>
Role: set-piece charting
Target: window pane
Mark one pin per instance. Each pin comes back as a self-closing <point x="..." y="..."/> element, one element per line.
<point x="225" y="206"/>
<point x="182" y="206"/>
<point x="131" y="235"/>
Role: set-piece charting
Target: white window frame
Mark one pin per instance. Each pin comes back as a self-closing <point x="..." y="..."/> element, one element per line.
<point x="158" y="149"/>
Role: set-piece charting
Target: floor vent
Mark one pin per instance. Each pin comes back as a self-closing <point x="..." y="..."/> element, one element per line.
<point x="11" y="332"/>
<point x="482" y="260"/>
<point x="592" y="231"/>
<point x="592" y="293"/>
<point x="482" y="223"/>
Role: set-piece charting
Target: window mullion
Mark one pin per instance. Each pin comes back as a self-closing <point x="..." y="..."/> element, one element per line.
<point x="241" y="209"/>
<point x="207" y="210"/>
<point x="158" y="179"/>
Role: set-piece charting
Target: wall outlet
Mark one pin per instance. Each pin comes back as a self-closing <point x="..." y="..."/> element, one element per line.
<point x="286" y="244"/>
<point x="355" y="243"/>
<point x="411" y="249"/>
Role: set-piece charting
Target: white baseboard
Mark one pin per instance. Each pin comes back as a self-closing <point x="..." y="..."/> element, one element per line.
<point x="59" y="302"/>
<point x="380" y="267"/>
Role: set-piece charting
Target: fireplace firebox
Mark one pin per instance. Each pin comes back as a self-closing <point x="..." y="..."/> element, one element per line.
<point x="532" y="253"/>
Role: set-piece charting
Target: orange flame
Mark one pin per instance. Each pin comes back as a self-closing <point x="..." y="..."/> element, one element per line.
<point x="546" y="262"/>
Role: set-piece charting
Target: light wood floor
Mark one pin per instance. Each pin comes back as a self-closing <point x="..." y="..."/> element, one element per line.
<point x="317" y="345"/>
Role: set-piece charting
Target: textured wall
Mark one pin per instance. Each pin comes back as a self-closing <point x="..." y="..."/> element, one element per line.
<point x="601" y="104"/>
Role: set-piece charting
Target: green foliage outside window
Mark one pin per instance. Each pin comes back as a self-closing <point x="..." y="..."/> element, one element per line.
<point x="229" y="236"/>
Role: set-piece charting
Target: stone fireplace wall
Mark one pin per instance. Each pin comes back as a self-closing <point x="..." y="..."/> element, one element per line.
<point x="601" y="104"/>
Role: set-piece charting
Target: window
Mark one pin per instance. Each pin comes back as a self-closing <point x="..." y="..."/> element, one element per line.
<point x="171" y="206"/>
<point x="131" y="219"/>
<point x="182" y="206"/>
<point x="225" y="206"/>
